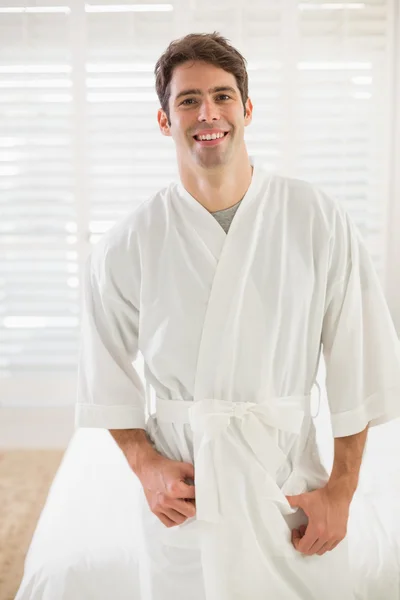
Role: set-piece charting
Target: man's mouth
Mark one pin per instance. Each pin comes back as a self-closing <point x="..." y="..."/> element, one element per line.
<point x="213" y="141"/>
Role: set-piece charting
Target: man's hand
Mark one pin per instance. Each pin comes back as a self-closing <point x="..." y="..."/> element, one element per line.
<point x="327" y="510"/>
<point x="169" y="497"/>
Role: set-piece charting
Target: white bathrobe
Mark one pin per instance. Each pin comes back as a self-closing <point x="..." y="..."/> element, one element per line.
<point x="231" y="327"/>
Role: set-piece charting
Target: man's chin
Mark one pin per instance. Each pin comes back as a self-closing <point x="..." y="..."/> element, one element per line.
<point x="209" y="162"/>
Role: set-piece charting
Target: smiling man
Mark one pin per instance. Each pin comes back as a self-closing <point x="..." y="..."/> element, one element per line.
<point x="231" y="281"/>
<point x="207" y="123"/>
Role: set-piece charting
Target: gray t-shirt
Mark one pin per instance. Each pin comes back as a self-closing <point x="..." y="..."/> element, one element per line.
<point x="225" y="216"/>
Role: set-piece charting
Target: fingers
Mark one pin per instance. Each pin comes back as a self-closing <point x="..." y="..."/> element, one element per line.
<point x="171" y="493"/>
<point x="178" y="511"/>
<point x="308" y="540"/>
<point x="335" y="544"/>
<point x="171" y="517"/>
<point x="175" y="509"/>
<point x="296" y="537"/>
<point x="302" y="530"/>
<point x="325" y="548"/>
<point x="175" y="517"/>
<point x="182" y="490"/>
<point x="317" y="547"/>
<point x="185" y="484"/>
<point x="166" y="520"/>
<point x="184" y="507"/>
<point x="321" y="548"/>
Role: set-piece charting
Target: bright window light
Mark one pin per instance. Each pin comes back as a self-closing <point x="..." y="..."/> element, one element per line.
<point x="333" y="66"/>
<point x="10" y="142"/>
<point x="360" y="80"/>
<point x="39" y="322"/>
<point x="36" y="83"/>
<point x="109" y="8"/>
<point x="118" y="67"/>
<point x="118" y="83"/>
<point x="264" y="66"/>
<point x="11" y="156"/>
<point x="35" y="9"/>
<point x="56" y="98"/>
<point x="100" y="226"/>
<point x="71" y="227"/>
<point x="73" y="282"/>
<point x="331" y="6"/>
<point x="123" y="97"/>
<point x="35" y="69"/>
<point x="361" y="95"/>
<point x="10" y="171"/>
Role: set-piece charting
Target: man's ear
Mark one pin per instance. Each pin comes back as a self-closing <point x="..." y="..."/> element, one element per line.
<point x="163" y="122"/>
<point x="248" y="112"/>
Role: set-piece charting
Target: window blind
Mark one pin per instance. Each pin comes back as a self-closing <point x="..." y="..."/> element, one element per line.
<point x="80" y="144"/>
<point x="39" y="280"/>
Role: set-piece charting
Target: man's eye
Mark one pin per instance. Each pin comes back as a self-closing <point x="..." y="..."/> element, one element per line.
<point x="193" y="100"/>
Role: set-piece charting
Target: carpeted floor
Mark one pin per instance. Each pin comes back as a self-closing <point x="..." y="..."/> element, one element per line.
<point x="25" y="478"/>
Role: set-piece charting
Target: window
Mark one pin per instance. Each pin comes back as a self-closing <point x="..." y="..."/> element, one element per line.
<point x="80" y="144"/>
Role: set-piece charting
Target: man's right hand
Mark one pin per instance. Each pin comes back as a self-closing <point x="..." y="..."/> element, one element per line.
<point x="168" y="494"/>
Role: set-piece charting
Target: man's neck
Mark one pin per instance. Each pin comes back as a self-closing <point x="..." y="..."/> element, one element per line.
<point x="220" y="191"/>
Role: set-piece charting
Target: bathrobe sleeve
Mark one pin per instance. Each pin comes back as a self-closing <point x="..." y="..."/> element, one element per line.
<point x="360" y="345"/>
<point x="110" y="392"/>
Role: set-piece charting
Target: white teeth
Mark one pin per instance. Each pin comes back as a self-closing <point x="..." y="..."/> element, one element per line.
<point x="214" y="136"/>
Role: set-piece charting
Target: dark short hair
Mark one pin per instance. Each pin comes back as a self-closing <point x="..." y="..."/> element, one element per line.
<point x="212" y="48"/>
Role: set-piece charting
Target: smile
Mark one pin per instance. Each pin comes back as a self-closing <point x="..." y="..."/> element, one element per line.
<point x="211" y="142"/>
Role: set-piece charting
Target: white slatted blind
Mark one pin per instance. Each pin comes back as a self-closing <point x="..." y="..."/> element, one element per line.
<point x="80" y="144"/>
<point x="128" y="158"/>
<point x="343" y="99"/>
<point x="39" y="285"/>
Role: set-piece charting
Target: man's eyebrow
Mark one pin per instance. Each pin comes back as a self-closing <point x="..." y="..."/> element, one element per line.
<point x="198" y="92"/>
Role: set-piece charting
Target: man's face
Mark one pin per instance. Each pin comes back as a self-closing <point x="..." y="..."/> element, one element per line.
<point x="205" y="110"/>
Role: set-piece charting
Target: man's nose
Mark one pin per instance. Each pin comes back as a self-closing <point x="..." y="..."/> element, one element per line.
<point x="208" y="111"/>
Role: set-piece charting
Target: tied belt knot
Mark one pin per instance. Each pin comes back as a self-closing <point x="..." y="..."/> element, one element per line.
<point x="222" y="428"/>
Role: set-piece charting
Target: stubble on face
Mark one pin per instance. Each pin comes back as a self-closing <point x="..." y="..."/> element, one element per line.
<point x="186" y="122"/>
<point x="213" y="157"/>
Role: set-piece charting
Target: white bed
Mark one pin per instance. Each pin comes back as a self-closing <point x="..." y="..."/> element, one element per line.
<point x="84" y="546"/>
<point x="84" y="543"/>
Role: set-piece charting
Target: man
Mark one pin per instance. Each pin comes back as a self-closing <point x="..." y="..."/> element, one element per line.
<point x="230" y="315"/>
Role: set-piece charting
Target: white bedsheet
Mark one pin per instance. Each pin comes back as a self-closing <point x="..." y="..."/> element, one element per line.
<point x="84" y="546"/>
